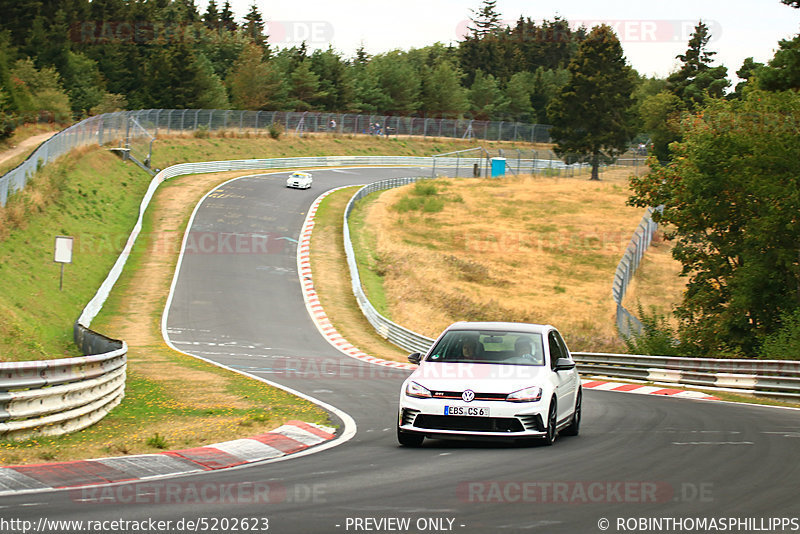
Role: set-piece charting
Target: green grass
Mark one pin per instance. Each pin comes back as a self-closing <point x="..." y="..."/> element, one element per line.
<point x="371" y="268"/>
<point x="99" y="213"/>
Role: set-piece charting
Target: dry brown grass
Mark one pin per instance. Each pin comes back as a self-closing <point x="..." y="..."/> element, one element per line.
<point x="538" y="250"/>
<point x="657" y="285"/>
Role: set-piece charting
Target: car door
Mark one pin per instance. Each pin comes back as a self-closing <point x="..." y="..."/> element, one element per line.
<point x="564" y="380"/>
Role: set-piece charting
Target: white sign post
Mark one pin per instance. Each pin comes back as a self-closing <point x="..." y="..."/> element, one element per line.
<point x="62" y="255"/>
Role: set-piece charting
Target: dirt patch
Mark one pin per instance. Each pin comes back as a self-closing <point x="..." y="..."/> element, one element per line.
<point x="25" y="146"/>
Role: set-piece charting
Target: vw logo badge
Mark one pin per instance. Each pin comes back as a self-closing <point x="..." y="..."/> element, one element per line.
<point x="468" y="395"/>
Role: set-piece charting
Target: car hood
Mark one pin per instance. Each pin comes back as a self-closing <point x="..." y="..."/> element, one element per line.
<point x="481" y="378"/>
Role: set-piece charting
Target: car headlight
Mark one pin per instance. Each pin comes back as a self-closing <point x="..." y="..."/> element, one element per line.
<point x="415" y="390"/>
<point x="531" y="394"/>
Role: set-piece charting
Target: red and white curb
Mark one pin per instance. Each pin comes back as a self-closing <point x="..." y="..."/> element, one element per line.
<point x="640" y="389"/>
<point x="311" y="298"/>
<point x="291" y="438"/>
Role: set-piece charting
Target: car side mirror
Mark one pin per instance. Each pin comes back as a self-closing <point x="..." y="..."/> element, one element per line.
<point x="415" y="357"/>
<point x="563" y="364"/>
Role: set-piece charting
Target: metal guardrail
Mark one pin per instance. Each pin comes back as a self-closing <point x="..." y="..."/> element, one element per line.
<point x="135" y="130"/>
<point x="770" y="378"/>
<point x="627" y="323"/>
<point x="59" y="396"/>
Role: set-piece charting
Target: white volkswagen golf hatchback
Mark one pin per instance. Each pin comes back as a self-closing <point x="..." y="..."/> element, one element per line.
<point x="495" y="381"/>
<point x="300" y="180"/>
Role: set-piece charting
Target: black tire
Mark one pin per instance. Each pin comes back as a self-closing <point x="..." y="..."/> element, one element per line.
<point x="552" y="424"/>
<point x="408" y="439"/>
<point x="575" y="425"/>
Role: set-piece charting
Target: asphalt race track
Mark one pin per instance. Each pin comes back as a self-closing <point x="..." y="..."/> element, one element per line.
<point x="637" y="457"/>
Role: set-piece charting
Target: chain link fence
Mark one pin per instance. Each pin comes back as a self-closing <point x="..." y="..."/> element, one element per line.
<point x="134" y="132"/>
<point x="627" y="323"/>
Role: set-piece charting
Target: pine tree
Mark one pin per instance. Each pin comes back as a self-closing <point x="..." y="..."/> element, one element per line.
<point x="485" y="97"/>
<point x="442" y="93"/>
<point x="485" y="20"/>
<point x="304" y="90"/>
<point x="697" y="80"/>
<point x="591" y="116"/>
<point x="254" y="83"/>
<point x="211" y="17"/>
<point x="226" y="18"/>
<point x="254" y="26"/>
<point x="783" y="71"/>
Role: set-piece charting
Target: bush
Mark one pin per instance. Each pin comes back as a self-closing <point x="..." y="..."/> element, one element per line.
<point x="657" y="337"/>
<point x="784" y="344"/>
<point x="202" y="132"/>
<point x="275" y="130"/>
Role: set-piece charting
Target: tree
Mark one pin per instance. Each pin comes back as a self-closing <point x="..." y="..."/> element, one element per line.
<point x="591" y="116"/>
<point x="486" y="100"/>
<point x="335" y="80"/>
<point x="304" y="93"/>
<point x="518" y="94"/>
<point x="255" y="84"/>
<point x="545" y="85"/>
<point x="783" y="72"/>
<point x="84" y="82"/>
<point x="398" y="81"/>
<point x="42" y="90"/>
<point x="731" y="196"/>
<point x="746" y="73"/>
<point x="485" y="20"/>
<point x="697" y="80"/>
<point x="254" y="27"/>
<point x="210" y="91"/>
<point x="226" y="17"/>
<point x="442" y="94"/>
<point x="660" y="116"/>
<point x="211" y="16"/>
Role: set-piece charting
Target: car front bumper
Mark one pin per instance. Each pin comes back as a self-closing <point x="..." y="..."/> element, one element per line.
<point x="506" y="420"/>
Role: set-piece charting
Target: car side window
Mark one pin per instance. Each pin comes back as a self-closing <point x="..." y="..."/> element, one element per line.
<point x="555" y="349"/>
<point x="563" y="345"/>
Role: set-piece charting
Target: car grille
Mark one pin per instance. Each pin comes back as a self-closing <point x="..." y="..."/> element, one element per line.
<point x="478" y="396"/>
<point x="532" y="422"/>
<point x="468" y="424"/>
<point x="409" y="415"/>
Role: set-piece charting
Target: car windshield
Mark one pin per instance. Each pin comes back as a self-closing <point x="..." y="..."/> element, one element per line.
<point x="505" y="348"/>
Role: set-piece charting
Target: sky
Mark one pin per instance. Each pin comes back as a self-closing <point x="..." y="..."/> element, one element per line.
<point x="652" y="32"/>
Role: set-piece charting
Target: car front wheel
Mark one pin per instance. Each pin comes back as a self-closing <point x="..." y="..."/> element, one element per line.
<point x="575" y="424"/>
<point x="552" y="423"/>
<point x="407" y="439"/>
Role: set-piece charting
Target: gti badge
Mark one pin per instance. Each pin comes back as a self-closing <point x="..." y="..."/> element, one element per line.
<point x="468" y="395"/>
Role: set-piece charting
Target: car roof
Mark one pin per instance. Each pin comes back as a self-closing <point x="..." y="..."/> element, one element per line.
<point x="502" y="327"/>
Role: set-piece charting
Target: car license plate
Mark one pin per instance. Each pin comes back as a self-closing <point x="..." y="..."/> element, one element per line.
<point x="474" y="411"/>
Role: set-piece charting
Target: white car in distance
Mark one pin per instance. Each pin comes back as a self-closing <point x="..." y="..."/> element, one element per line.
<point x="491" y="381"/>
<point x="300" y="180"/>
